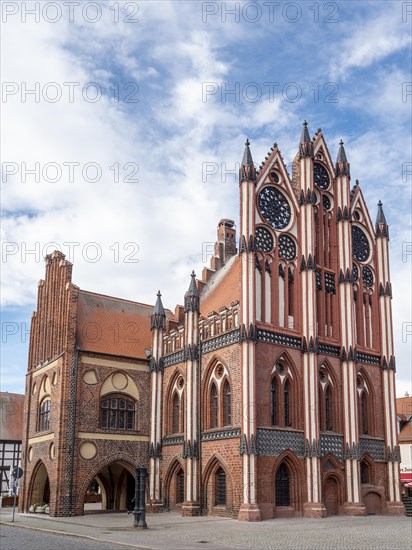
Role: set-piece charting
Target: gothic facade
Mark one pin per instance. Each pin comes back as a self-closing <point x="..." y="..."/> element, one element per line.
<point x="269" y="393"/>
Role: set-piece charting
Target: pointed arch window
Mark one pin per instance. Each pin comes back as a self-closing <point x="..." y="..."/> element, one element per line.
<point x="273" y="403"/>
<point x="364" y="470"/>
<point x="44" y="415"/>
<point x="227" y="404"/>
<point x="220" y="487"/>
<point x="328" y="411"/>
<point x="213" y="407"/>
<point x="286" y="403"/>
<point x="176" y="413"/>
<point x="364" y="413"/>
<point x="282" y="486"/>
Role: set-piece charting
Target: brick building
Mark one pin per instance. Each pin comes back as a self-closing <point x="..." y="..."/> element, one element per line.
<point x="404" y="415"/>
<point x="11" y="431"/>
<point x="270" y="392"/>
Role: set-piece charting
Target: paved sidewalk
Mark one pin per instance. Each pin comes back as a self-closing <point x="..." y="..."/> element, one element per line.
<point x="170" y="531"/>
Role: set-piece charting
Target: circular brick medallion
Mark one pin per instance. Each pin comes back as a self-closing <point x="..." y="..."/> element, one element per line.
<point x="89" y="377"/>
<point x="88" y="450"/>
<point x="119" y="381"/>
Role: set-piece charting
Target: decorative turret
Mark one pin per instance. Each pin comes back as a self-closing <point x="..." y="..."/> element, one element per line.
<point x="342" y="165"/>
<point x="157" y="319"/>
<point x="305" y="145"/>
<point x="192" y="295"/>
<point x="381" y="227"/>
<point x="247" y="170"/>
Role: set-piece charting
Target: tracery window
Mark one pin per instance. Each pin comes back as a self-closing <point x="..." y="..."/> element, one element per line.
<point x="360" y="244"/>
<point x="263" y="239"/>
<point x="217" y="398"/>
<point x="282" y="397"/>
<point x="321" y="176"/>
<point x="274" y="207"/>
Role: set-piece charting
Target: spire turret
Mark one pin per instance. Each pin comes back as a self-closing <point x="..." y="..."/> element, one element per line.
<point x="305" y="145"/>
<point x="247" y="170"/>
<point x="192" y="295"/>
<point x="381" y="226"/>
<point x="157" y="319"/>
<point x="342" y="165"/>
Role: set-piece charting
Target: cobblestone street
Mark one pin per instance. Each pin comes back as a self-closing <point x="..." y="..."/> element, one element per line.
<point x="170" y="531"/>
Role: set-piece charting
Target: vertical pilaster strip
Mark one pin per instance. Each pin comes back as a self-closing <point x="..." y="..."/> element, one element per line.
<point x="313" y="506"/>
<point x="249" y="509"/>
<point x="191" y="505"/>
<point x="353" y="504"/>
<point x="394" y="504"/>
<point x="157" y="325"/>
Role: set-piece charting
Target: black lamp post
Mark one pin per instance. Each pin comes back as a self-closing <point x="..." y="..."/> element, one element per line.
<point x="139" y="511"/>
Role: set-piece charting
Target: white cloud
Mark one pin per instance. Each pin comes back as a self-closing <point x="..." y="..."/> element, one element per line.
<point x="171" y="133"/>
<point x="371" y="39"/>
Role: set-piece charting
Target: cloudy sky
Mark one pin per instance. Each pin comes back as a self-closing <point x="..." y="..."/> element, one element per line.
<point x="124" y="122"/>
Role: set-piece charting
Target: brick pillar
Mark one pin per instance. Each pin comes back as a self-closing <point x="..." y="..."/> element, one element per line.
<point x="157" y="324"/>
<point x="191" y="506"/>
<point x="394" y="504"/>
<point x="313" y="507"/>
<point x="249" y="508"/>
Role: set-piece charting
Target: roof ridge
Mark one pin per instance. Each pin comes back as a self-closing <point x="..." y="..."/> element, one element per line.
<point x="114" y="298"/>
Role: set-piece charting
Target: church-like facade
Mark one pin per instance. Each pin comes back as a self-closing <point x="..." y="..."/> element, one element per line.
<point x="269" y="393"/>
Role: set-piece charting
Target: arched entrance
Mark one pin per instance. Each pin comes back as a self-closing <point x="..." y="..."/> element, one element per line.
<point x="373" y="504"/>
<point x="175" y="487"/>
<point x="287" y="488"/>
<point x="40" y="487"/>
<point x="331" y="496"/>
<point x="116" y="484"/>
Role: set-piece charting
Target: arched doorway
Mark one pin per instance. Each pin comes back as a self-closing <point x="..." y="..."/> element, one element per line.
<point x="40" y="487"/>
<point x="287" y="488"/>
<point x="175" y="487"/>
<point x="373" y="504"/>
<point x="116" y="485"/>
<point x="331" y="496"/>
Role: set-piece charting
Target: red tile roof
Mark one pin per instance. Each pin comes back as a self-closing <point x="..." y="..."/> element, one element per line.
<point x="222" y="289"/>
<point x="113" y="326"/>
<point x="404" y="405"/>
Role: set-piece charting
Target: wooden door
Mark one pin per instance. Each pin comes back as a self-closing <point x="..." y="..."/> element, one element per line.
<point x="330" y="497"/>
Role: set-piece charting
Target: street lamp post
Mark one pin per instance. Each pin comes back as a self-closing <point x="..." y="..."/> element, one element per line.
<point x="139" y="511"/>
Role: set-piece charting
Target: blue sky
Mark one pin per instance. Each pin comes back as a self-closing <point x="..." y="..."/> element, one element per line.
<point x="146" y="109"/>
